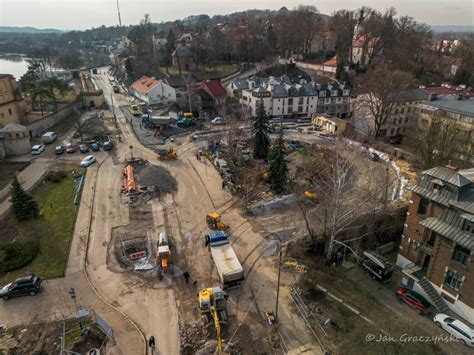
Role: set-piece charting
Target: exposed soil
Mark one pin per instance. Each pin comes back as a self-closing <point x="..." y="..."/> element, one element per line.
<point x="8" y="171"/>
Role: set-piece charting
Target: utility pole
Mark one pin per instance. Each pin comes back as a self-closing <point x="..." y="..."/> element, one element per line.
<point x="118" y="10"/>
<point x="113" y="110"/>
<point x="278" y="283"/>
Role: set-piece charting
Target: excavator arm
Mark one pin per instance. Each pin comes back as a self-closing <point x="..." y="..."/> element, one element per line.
<point x="217" y="324"/>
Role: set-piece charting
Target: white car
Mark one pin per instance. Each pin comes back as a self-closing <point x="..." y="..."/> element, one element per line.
<point x="37" y="149"/>
<point x="90" y="159"/>
<point x="456" y="328"/>
<point x="217" y="120"/>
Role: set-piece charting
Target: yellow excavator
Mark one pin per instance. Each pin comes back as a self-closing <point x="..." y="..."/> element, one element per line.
<point x="214" y="221"/>
<point x="212" y="305"/>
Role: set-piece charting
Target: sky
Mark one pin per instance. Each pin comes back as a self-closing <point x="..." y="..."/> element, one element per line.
<point x="82" y="14"/>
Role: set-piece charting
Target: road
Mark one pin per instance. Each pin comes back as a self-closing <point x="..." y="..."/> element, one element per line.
<point x="199" y="192"/>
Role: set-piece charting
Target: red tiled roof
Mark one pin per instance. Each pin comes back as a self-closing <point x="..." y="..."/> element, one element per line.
<point x="331" y="62"/>
<point x="359" y="41"/>
<point x="145" y="84"/>
<point x="214" y="87"/>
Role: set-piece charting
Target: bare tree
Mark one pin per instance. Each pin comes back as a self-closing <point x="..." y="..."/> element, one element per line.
<point x="379" y="94"/>
<point x="442" y="140"/>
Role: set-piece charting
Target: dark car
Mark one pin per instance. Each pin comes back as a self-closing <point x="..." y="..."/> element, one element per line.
<point x="59" y="150"/>
<point x="83" y="148"/>
<point x="108" y="145"/>
<point x="373" y="156"/>
<point x="95" y="147"/>
<point x="413" y="299"/>
<point x="396" y="140"/>
<point x="21" y="287"/>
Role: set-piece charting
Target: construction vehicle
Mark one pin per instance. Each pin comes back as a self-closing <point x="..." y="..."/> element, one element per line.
<point x="135" y="110"/>
<point x="155" y="121"/>
<point x="228" y="266"/>
<point x="163" y="254"/>
<point x="212" y="305"/>
<point x="169" y="154"/>
<point x="129" y="184"/>
<point x="214" y="222"/>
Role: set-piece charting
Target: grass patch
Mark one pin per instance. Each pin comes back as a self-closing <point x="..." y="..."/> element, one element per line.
<point x="52" y="230"/>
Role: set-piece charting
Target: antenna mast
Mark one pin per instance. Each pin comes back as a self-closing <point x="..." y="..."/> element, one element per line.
<point x="118" y="10"/>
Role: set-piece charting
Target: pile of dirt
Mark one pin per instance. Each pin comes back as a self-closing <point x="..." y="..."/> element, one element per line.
<point x="156" y="178"/>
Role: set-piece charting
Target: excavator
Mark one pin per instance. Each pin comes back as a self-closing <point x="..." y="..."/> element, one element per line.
<point x="163" y="254"/>
<point x="129" y="183"/>
<point x="214" y="222"/>
<point x="212" y="304"/>
<point x="169" y="154"/>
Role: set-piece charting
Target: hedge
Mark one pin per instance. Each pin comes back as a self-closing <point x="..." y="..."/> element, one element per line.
<point x="16" y="254"/>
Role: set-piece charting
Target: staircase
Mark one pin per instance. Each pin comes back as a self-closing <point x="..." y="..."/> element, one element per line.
<point x="436" y="299"/>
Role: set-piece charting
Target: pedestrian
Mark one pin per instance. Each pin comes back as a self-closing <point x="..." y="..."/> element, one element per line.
<point x="186" y="276"/>
<point x="197" y="156"/>
<point x="207" y="240"/>
<point x="223" y="184"/>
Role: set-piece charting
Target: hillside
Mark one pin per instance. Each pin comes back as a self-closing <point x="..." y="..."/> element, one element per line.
<point x="32" y="30"/>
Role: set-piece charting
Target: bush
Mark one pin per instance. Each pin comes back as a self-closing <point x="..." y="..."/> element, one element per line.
<point x="56" y="176"/>
<point x="16" y="254"/>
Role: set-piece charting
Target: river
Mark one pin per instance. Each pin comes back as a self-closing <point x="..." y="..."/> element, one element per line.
<point x="15" y="65"/>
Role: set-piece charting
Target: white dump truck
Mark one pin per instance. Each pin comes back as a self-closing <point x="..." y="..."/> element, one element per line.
<point x="228" y="265"/>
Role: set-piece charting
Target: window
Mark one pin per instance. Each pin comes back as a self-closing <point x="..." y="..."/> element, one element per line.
<point x="9" y="111"/>
<point x="334" y="93"/>
<point x="322" y="94"/>
<point x="290" y="102"/>
<point x="453" y="280"/>
<point x="459" y="330"/>
<point x="468" y="226"/>
<point x="460" y="254"/>
<point x="431" y="241"/>
<point x="402" y="110"/>
<point x="423" y="206"/>
<point x="300" y="101"/>
<point x="406" y="119"/>
<point x="396" y="111"/>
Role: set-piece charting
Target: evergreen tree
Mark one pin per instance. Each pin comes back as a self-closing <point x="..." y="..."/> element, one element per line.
<point x="23" y="205"/>
<point x="261" y="129"/>
<point x="278" y="169"/>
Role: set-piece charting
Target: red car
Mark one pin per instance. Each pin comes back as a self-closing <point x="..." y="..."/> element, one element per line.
<point x="413" y="299"/>
<point x="70" y="148"/>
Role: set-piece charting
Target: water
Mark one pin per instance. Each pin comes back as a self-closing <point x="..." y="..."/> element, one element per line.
<point x="15" y="65"/>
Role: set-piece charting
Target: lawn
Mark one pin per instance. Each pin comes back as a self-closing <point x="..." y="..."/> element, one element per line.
<point x="53" y="229"/>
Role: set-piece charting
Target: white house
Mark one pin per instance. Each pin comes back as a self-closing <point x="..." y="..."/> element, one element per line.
<point x="291" y="96"/>
<point x="152" y="91"/>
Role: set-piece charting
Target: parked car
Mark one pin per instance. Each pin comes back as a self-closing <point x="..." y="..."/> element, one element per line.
<point x="396" y="140"/>
<point x="456" y="328"/>
<point x="217" y="120"/>
<point x="376" y="265"/>
<point x="49" y="137"/>
<point x="95" y="147"/>
<point x="373" y="156"/>
<point x="413" y="299"/>
<point x="108" y="145"/>
<point x="59" y="150"/>
<point x="89" y="160"/>
<point x="70" y="148"/>
<point x="37" y="149"/>
<point x="21" y="287"/>
<point x="83" y="148"/>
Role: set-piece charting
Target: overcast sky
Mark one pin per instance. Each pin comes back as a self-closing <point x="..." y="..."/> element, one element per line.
<point x="81" y="14"/>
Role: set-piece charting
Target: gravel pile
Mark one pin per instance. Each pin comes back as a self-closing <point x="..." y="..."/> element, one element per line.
<point x="156" y="178"/>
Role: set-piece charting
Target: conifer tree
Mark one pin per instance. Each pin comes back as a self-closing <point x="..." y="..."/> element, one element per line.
<point x="261" y="129"/>
<point x="278" y="169"/>
<point x="23" y="205"/>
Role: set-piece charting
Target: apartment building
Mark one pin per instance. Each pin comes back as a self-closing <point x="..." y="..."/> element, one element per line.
<point x="436" y="250"/>
<point x="292" y="96"/>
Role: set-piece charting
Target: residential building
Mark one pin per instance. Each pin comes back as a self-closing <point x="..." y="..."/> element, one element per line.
<point x="217" y="94"/>
<point x="152" y="91"/>
<point x="436" y="250"/>
<point x="458" y="108"/>
<point x="160" y="40"/>
<point x="292" y="96"/>
<point x="183" y="59"/>
<point x="329" y="124"/>
<point x="12" y="104"/>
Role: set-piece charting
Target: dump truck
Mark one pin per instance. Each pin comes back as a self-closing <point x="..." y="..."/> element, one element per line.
<point x="163" y="254"/>
<point x="231" y="273"/>
<point x="155" y="121"/>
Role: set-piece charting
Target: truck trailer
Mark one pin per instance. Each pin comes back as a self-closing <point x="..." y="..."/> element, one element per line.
<point x="231" y="273"/>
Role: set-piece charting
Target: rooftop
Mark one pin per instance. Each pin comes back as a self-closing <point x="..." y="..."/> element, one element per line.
<point x="452" y="103"/>
<point x="145" y="84"/>
<point x="215" y="87"/>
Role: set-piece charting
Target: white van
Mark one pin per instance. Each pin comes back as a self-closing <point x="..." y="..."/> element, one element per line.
<point x="49" y="137"/>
